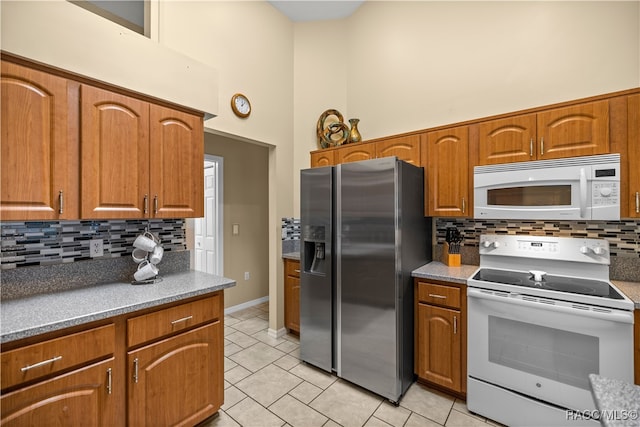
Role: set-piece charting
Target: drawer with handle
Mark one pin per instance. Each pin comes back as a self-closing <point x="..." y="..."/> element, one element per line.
<point x="292" y="268"/>
<point x="51" y="356"/>
<point x="448" y="296"/>
<point x="155" y="325"/>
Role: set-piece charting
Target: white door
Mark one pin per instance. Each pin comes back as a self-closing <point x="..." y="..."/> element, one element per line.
<point x="208" y="230"/>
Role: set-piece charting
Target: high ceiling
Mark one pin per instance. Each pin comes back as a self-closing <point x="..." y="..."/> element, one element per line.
<point x="316" y="10"/>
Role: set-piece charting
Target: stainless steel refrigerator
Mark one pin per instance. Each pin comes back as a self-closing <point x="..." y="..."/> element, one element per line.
<point x="363" y="231"/>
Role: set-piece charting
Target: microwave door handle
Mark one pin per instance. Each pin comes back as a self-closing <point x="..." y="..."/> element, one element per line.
<point x="583" y="193"/>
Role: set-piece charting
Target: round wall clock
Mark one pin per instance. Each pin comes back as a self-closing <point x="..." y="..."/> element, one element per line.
<point x="240" y="105"/>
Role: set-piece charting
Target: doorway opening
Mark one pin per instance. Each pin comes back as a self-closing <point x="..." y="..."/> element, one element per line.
<point x="208" y="231"/>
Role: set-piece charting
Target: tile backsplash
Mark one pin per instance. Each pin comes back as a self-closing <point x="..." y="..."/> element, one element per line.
<point x="290" y="235"/>
<point x="623" y="235"/>
<point x="41" y="243"/>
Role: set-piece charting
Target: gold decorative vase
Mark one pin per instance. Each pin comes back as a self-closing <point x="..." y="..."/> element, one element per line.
<point x="354" y="133"/>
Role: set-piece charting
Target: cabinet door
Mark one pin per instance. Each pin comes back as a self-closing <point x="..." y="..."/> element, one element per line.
<point x="177" y="381"/>
<point x="176" y="164"/>
<point x="580" y="130"/>
<point x="115" y="155"/>
<point x="633" y="156"/>
<point x="80" y="398"/>
<point x="405" y="148"/>
<point x="507" y="140"/>
<point x="323" y="158"/>
<point x="439" y="346"/>
<point x="355" y="153"/>
<point x="447" y="186"/>
<point x="39" y="145"/>
<point x="292" y="303"/>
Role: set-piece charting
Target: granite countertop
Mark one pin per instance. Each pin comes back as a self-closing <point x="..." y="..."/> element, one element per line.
<point x="37" y="314"/>
<point x="292" y="255"/>
<point x="630" y="289"/>
<point x="618" y="401"/>
<point x="436" y="270"/>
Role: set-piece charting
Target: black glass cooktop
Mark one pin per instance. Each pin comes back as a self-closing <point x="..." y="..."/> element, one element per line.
<point x="549" y="282"/>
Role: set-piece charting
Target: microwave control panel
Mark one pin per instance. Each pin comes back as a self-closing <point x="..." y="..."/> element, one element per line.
<point x="605" y="193"/>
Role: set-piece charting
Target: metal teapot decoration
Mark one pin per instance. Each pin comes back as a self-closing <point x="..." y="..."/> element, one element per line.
<point x="334" y="132"/>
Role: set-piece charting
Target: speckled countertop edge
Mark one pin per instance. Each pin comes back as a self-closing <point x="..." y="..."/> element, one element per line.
<point x="26" y="317"/>
<point x="292" y="255"/>
<point x="616" y="400"/>
<point x="630" y="289"/>
<point x="436" y="270"/>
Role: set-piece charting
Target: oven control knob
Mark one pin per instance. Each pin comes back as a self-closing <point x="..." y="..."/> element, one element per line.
<point x="599" y="250"/>
<point x="585" y="250"/>
<point x="496" y="244"/>
<point x="486" y="244"/>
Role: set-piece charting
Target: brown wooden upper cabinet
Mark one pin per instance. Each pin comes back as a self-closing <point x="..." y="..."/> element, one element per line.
<point x="74" y="151"/>
<point x="39" y="146"/>
<point x="445" y="154"/>
<point x="405" y="148"/>
<point x="633" y="156"/>
<point x="579" y="130"/>
<point x="139" y="160"/>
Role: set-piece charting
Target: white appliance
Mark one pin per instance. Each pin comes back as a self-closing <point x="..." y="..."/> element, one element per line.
<point x="542" y="316"/>
<point x="571" y="188"/>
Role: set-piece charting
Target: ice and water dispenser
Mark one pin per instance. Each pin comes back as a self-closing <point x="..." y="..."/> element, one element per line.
<point x="313" y="238"/>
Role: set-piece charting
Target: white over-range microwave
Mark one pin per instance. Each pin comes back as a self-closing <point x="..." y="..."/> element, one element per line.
<point x="575" y="188"/>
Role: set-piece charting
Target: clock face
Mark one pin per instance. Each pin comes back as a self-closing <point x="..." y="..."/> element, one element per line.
<point x="241" y="105"/>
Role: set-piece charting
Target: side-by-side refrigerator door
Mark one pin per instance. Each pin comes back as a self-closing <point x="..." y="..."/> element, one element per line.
<point x="316" y="265"/>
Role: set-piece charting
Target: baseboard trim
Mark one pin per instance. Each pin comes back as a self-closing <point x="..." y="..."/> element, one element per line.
<point x="277" y="334"/>
<point x="244" y="305"/>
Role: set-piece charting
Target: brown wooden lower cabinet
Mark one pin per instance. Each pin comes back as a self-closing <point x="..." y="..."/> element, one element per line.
<point x="440" y="337"/>
<point x="292" y="295"/>
<point x="169" y="372"/>
<point x="80" y="397"/>
<point x="176" y="381"/>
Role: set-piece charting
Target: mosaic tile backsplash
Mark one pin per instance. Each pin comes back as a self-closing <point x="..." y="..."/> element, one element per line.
<point x="34" y="243"/>
<point x="290" y="235"/>
<point x="623" y="236"/>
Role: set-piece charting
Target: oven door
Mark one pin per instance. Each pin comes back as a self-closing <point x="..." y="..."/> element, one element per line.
<point x="546" y="349"/>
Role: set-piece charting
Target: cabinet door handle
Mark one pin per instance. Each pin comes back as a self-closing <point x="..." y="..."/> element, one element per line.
<point x="542" y="146"/>
<point x="455" y="324"/>
<point x="184" y="319"/>
<point x="146" y="203"/>
<point x="531" y="147"/>
<point x="155" y="205"/>
<point x="135" y="370"/>
<point x="464" y="206"/>
<point x="437" y="296"/>
<point x="637" y="201"/>
<point x="298" y="271"/>
<point x="109" y="381"/>
<point x="43" y="363"/>
<point x="61" y="201"/>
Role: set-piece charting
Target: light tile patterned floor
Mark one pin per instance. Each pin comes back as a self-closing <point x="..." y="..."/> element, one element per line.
<point x="266" y="384"/>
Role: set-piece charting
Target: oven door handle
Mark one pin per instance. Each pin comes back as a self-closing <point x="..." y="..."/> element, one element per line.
<point x="614" y="316"/>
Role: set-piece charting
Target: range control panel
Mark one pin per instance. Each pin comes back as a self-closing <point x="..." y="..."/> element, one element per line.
<point x="578" y="249"/>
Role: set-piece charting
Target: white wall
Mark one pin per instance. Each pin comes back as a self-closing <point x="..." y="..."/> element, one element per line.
<point x="61" y="34"/>
<point x="412" y="65"/>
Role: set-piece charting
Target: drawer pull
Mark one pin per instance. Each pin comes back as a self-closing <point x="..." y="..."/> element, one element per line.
<point x="297" y="271"/>
<point x="39" y="364"/>
<point x="135" y="370"/>
<point x="109" y="381"/>
<point x="437" y="296"/>
<point x="184" y="319"/>
<point x="61" y="201"/>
